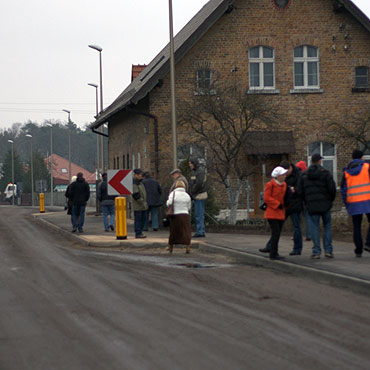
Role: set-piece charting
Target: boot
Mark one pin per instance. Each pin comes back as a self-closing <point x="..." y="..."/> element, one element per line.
<point x="170" y="249"/>
<point x="187" y="249"/>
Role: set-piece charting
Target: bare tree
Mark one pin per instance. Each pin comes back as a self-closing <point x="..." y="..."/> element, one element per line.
<point x="222" y="118"/>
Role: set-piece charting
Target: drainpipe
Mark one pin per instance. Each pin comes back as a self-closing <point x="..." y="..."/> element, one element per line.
<point x="98" y="132"/>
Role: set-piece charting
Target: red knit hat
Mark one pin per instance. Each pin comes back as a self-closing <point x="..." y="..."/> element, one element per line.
<point x="301" y="165"/>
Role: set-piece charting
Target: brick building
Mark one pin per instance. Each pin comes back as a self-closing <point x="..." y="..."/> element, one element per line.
<point x="311" y="58"/>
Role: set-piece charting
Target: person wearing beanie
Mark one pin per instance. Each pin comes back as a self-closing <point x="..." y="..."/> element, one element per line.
<point x="319" y="191"/>
<point x="199" y="194"/>
<point x="274" y="196"/>
<point x="139" y="203"/>
<point x="355" y="190"/>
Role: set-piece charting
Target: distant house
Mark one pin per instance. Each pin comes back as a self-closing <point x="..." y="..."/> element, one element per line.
<point x="60" y="169"/>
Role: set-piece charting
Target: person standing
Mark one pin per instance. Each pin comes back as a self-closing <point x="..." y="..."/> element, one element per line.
<point x="294" y="210"/>
<point x="107" y="203"/>
<point x="319" y="192"/>
<point x="274" y="197"/>
<point x="177" y="175"/>
<point x="153" y="197"/>
<point x="139" y="203"/>
<point x="302" y="165"/>
<point x="79" y="195"/>
<point x="67" y="195"/>
<point x="180" y="229"/>
<point x="198" y="194"/>
<point x="355" y="189"/>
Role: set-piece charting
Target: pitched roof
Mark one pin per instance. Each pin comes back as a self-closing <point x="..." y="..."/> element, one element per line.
<point x="269" y="142"/>
<point x="184" y="41"/>
<point x="60" y="170"/>
<point x="159" y="66"/>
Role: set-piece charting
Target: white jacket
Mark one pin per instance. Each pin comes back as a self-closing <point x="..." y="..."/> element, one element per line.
<point x="182" y="201"/>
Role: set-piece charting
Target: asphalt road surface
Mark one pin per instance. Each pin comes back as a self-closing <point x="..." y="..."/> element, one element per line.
<point x="67" y="307"/>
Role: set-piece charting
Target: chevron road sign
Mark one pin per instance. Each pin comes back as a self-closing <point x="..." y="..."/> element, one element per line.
<point x="119" y="182"/>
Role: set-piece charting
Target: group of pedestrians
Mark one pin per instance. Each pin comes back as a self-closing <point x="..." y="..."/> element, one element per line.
<point x="294" y="190"/>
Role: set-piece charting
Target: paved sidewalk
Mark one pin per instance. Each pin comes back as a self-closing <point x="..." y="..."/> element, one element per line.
<point x="345" y="269"/>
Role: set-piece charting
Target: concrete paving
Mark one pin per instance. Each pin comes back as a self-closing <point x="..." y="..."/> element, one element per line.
<point x="344" y="270"/>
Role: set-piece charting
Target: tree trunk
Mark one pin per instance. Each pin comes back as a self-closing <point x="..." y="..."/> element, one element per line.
<point x="233" y="199"/>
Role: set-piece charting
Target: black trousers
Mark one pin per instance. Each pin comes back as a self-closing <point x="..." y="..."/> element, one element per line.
<point x="357" y="232"/>
<point x="276" y="227"/>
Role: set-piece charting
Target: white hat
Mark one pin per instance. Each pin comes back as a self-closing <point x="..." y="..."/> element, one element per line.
<point x="278" y="171"/>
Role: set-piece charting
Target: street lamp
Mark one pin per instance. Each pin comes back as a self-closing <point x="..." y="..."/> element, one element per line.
<point x="69" y="144"/>
<point x="51" y="164"/>
<point x="97" y="138"/>
<point x="12" y="142"/>
<point x="173" y="93"/>
<point x="32" y="185"/>
<point x="100" y="49"/>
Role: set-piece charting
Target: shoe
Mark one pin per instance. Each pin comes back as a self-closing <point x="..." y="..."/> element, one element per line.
<point x="367" y="248"/>
<point x="106" y="230"/>
<point x="111" y="227"/>
<point x="80" y="230"/>
<point x="140" y="236"/>
<point x="155" y="229"/>
<point x="74" y="230"/>
<point x="315" y="257"/>
<point x="329" y="255"/>
<point x="294" y="253"/>
<point x="277" y="258"/>
<point x="264" y="250"/>
<point x="359" y="255"/>
<point x="308" y="239"/>
<point x="198" y="236"/>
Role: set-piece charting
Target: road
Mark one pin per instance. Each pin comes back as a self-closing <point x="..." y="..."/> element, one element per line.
<point x="68" y="307"/>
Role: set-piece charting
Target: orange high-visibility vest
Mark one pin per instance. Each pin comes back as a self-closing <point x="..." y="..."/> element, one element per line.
<point x="358" y="187"/>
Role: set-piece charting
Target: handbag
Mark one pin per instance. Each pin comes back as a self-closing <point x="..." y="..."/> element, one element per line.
<point x="171" y="208"/>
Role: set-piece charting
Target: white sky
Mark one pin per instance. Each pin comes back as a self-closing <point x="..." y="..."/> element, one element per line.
<point x="46" y="63"/>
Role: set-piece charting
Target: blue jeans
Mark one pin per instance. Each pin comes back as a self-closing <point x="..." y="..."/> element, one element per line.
<point x="315" y="230"/>
<point x="199" y="216"/>
<point x="78" y="211"/>
<point x="297" y="233"/>
<point x="108" y="210"/>
<point x="154" y="213"/>
<point x="139" y="222"/>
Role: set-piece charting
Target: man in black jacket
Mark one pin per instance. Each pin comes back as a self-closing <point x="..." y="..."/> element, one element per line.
<point x="319" y="191"/>
<point x="79" y="194"/>
<point x="153" y="198"/>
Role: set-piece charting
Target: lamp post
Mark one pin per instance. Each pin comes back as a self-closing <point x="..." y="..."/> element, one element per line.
<point x="51" y="165"/>
<point x="100" y="49"/>
<point x="12" y="142"/>
<point x="173" y="93"/>
<point x="69" y="144"/>
<point x="97" y="137"/>
<point x="32" y="184"/>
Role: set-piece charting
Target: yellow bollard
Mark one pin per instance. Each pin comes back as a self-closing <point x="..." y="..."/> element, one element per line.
<point x="121" y="218"/>
<point x="42" y="202"/>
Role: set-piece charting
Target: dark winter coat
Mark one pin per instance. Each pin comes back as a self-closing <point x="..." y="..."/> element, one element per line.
<point x="295" y="197"/>
<point x="153" y="192"/>
<point x="79" y="192"/>
<point x="139" y="196"/>
<point x="318" y="189"/>
<point x="104" y="198"/>
<point x="197" y="179"/>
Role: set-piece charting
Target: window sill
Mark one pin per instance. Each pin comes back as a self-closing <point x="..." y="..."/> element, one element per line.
<point x="360" y="89"/>
<point x="203" y="93"/>
<point x="263" y="91"/>
<point x="306" y="91"/>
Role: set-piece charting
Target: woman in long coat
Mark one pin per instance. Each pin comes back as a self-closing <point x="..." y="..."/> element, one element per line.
<point x="180" y="230"/>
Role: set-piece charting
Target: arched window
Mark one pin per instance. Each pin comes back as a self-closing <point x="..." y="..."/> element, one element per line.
<point x="328" y="152"/>
<point x="204" y="81"/>
<point x="306" y="67"/>
<point x="261" y="68"/>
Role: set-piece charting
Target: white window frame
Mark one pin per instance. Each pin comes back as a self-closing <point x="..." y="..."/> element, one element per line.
<point x="261" y="61"/>
<point x="305" y="60"/>
<point x="332" y="158"/>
